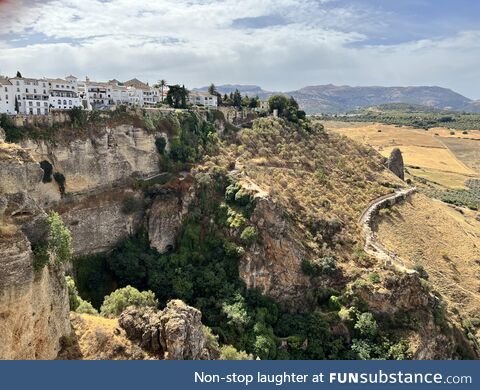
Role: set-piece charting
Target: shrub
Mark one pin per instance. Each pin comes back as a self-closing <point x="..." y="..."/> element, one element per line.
<point x="47" y="171"/>
<point x="161" y="143"/>
<point x="86" y="308"/>
<point x="374" y="277"/>
<point x="120" y="299"/>
<point x="366" y="325"/>
<point x="73" y="297"/>
<point x="421" y="271"/>
<point x="326" y="265"/>
<point x="60" y="179"/>
<point x="249" y="235"/>
<point x="57" y="249"/>
<point x="131" y="205"/>
<point x="321" y="176"/>
<point x="228" y="352"/>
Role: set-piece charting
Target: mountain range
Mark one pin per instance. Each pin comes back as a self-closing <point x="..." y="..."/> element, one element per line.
<point x="336" y="99"/>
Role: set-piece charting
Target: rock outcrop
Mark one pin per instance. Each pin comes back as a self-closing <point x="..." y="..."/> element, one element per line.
<point x="395" y="163"/>
<point x="176" y="333"/>
<point x="33" y="304"/>
<point x="274" y="266"/>
<point x="119" y="153"/>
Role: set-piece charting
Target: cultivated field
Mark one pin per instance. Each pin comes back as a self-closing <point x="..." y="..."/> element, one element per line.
<point x="435" y="154"/>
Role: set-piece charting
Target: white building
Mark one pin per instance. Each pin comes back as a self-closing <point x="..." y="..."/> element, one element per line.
<point x="7" y="96"/>
<point x="142" y="94"/>
<point x="32" y="95"/>
<point x="63" y="94"/>
<point x="202" y="99"/>
<point x="96" y="95"/>
<point x="119" y="93"/>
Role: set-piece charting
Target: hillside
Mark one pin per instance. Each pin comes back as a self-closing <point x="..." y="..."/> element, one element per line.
<point x="340" y="99"/>
<point x="256" y="229"/>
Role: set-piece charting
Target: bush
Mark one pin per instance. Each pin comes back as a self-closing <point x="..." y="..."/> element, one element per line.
<point x="161" y="143"/>
<point x="115" y="303"/>
<point x="73" y="297"/>
<point x="60" y="179"/>
<point x="249" y="235"/>
<point x="374" y="277"/>
<point x="421" y="271"/>
<point x="47" y="171"/>
<point x="86" y="308"/>
<point x="228" y="352"/>
<point x="131" y="205"/>
<point x="58" y="248"/>
<point x="366" y="325"/>
<point x="326" y="265"/>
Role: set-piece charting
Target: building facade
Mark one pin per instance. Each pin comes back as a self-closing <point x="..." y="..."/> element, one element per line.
<point x="203" y="99"/>
<point x="32" y="95"/>
<point x="7" y="97"/>
<point x="63" y="94"/>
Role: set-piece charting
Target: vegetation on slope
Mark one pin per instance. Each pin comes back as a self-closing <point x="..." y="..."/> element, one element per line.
<point x="411" y="115"/>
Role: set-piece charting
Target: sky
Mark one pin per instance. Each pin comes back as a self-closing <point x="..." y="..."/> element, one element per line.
<point x="281" y="45"/>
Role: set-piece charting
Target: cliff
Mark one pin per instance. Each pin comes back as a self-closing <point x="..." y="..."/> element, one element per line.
<point x="33" y="304"/>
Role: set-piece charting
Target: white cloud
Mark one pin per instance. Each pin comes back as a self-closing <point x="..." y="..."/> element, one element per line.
<point x="196" y="42"/>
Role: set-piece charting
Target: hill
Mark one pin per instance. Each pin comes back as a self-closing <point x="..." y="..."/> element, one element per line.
<point x="337" y="99"/>
<point x="332" y="98"/>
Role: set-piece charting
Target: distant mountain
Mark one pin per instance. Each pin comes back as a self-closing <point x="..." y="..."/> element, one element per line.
<point x="331" y="98"/>
<point x="336" y="99"/>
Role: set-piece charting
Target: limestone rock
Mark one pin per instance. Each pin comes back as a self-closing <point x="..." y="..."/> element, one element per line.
<point x="176" y="333"/>
<point x="33" y="304"/>
<point x="395" y="163"/>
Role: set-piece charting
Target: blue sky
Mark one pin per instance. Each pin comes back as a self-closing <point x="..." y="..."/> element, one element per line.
<point x="278" y="44"/>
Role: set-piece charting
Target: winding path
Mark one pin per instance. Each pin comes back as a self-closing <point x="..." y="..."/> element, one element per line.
<point x="372" y="245"/>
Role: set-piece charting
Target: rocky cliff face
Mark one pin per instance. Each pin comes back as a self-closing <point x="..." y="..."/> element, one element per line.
<point x="274" y="265"/>
<point x="121" y="152"/>
<point x="176" y="333"/>
<point x="33" y="304"/>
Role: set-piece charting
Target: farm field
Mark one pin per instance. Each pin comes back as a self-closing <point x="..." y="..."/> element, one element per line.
<point x="434" y="154"/>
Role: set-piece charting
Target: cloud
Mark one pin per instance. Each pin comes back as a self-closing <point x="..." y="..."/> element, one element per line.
<point x="279" y="44"/>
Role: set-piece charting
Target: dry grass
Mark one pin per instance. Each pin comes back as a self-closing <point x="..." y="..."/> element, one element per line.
<point x="99" y="338"/>
<point x="445" y="241"/>
<point x="320" y="177"/>
<point x="432" y="151"/>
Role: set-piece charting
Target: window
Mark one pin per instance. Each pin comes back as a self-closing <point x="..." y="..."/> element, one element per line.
<point x="18" y="89"/>
<point x="30" y="103"/>
<point x="34" y="90"/>
<point x="45" y="104"/>
<point x="59" y="101"/>
<point x="70" y="102"/>
<point x="38" y="104"/>
<point x="39" y="111"/>
<point x="64" y="102"/>
<point x="6" y="89"/>
<point x="26" y="90"/>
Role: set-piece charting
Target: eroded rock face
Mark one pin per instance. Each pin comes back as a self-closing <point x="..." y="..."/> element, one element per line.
<point x="33" y="304"/>
<point x="165" y="217"/>
<point x="274" y="266"/>
<point x="121" y="152"/>
<point x="176" y="333"/>
<point x="395" y="163"/>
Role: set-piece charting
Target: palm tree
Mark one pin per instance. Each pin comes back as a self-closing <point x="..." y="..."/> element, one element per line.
<point x="161" y="84"/>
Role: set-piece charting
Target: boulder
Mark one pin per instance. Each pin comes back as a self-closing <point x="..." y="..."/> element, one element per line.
<point x="395" y="163"/>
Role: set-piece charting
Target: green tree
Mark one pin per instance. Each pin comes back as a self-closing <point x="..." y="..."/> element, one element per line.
<point x="229" y="352"/>
<point x="120" y="299"/>
<point x="212" y="90"/>
<point x="177" y="96"/>
<point x="58" y="247"/>
<point x="366" y="325"/>
<point x="237" y="99"/>
<point x="161" y="84"/>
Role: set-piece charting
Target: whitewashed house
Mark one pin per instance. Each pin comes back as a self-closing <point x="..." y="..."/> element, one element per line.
<point x="96" y="95"/>
<point x="32" y="95"/>
<point x="203" y="99"/>
<point x="119" y="93"/>
<point x="63" y="94"/>
<point x="7" y="96"/>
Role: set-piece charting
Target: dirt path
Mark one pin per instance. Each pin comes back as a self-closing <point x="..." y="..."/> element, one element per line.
<point x="372" y="245"/>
